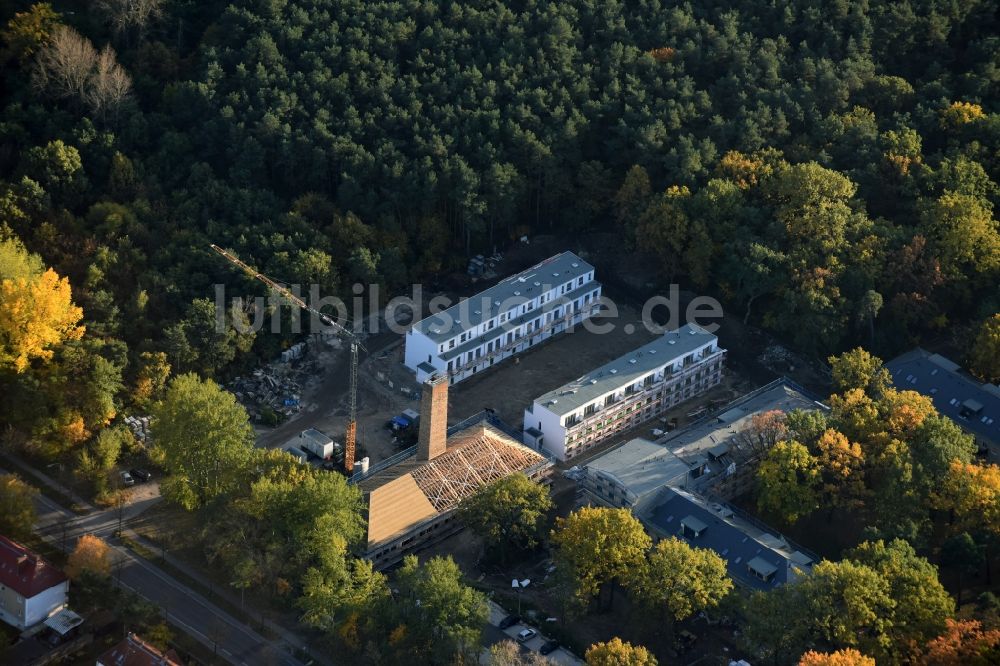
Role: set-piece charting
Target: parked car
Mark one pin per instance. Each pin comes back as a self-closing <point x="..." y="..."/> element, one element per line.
<point x="526" y="635"/>
<point x="140" y="475"/>
<point x="127" y="479"/>
<point x="509" y="621"/>
<point x="549" y="647"/>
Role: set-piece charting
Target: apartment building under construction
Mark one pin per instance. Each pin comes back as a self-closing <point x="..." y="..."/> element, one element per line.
<point x="506" y="319"/>
<point x="625" y="392"/>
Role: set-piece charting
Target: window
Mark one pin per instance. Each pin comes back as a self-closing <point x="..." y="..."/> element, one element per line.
<point x="451" y="344"/>
<point x="590" y="409"/>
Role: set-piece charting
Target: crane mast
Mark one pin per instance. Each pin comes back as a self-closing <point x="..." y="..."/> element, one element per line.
<point x="350" y="432"/>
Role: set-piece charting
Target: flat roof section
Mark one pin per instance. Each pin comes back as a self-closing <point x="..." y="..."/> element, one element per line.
<point x="973" y="406"/>
<point x="625" y="369"/>
<point x="510" y="291"/>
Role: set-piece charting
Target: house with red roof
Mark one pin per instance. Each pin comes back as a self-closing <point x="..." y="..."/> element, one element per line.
<point x="133" y="651"/>
<point x="31" y="589"/>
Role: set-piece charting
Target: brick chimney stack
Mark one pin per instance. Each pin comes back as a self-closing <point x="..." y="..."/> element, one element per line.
<point x="433" y="440"/>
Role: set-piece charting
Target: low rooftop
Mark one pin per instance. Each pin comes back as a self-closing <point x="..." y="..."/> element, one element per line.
<point x="507" y="293"/>
<point x="972" y="405"/>
<point x="412" y="491"/>
<point x="640" y="466"/>
<point x="737" y="539"/>
<point x="133" y="651"/>
<point x="625" y="369"/>
<point x="25" y="572"/>
<point x="711" y="433"/>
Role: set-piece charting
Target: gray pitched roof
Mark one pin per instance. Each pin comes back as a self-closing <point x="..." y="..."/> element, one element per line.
<point x="738" y="542"/>
<point x="973" y="406"/>
<point x="506" y="294"/>
<point x="625" y="369"/>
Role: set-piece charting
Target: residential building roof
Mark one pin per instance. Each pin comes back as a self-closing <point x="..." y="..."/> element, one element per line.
<point x="506" y="294"/>
<point x="625" y="369"/>
<point x="640" y="466"/>
<point x="743" y="543"/>
<point x="711" y="433"/>
<point x="414" y="490"/>
<point x="25" y="572"/>
<point x="972" y="405"/>
<point x="133" y="651"/>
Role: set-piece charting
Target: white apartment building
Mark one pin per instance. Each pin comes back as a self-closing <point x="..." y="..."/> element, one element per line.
<point x="513" y="315"/>
<point x="625" y="392"/>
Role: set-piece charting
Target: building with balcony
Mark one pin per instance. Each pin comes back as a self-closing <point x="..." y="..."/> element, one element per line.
<point x="625" y="392"/>
<point x="513" y="315"/>
<point x="973" y="406"/>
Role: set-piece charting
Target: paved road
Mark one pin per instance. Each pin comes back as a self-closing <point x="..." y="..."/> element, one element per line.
<point x="205" y="622"/>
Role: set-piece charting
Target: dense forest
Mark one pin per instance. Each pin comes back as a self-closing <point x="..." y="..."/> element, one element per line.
<point x="827" y="169"/>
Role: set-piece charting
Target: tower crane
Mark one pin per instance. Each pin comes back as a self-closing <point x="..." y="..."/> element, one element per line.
<point x="350" y="433"/>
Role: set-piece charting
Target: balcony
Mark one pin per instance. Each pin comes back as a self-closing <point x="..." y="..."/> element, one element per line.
<point x="624" y="404"/>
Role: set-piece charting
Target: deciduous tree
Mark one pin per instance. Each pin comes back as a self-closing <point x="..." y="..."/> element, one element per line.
<point x="678" y="580"/>
<point x="508" y="513"/>
<point x="617" y="652"/>
<point x="598" y="547"/>
<point x="204" y="439"/>
<point x="788" y="479"/>
<point x="963" y="643"/>
<point x="858" y="369"/>
<point x="17" y="507"/>
<point x="91" y="556"/>
<point x="984" y="357"/>
<point x="845" y="657"/>
<point x="37" y="313"/>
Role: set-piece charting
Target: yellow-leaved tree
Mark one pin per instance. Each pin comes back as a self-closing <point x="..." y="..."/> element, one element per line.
<point x="617" y="652"/>
<point x="91" y="555"/>
<point x="37" y="312"/>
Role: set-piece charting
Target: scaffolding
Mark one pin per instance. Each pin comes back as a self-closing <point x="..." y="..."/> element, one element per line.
<point x="474" y="459"/>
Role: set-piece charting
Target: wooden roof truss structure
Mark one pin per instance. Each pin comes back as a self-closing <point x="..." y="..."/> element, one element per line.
<point x="483" y="458"/>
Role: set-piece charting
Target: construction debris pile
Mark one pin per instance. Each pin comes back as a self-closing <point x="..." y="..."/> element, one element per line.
<point x="484" y="267"/>
<point x="139" y="425"/>
<point x="274" y="389"/>
<point x="778" y="359"/>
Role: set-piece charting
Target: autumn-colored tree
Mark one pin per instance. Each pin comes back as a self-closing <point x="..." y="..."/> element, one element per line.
<point x="964" y="643"/>
<point x="17" y="506"/>
<point x="151" y="380"/>
<point x="678" y="580"/>
<point x="27" y="31"/>
<point x="617" y="652"/>
<point x="963" y="233"/>
<point x="857" y="416"/>
<point x="92" y="555"/>
<point x="858" y="369"/>
<point x="37" y="313"/>
<point x="971" y="493"/>
<point x="842" y="469"/>
<point x="849" y="604"/>
<point x="598" y="546"/>
<point x="845" y="657"/>
<point x="764" y="430"/>
<point x="961" y="113"/>
<point x="788" y="478"/>
<point x="984" y="357"/>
